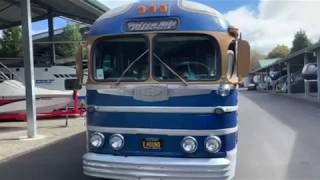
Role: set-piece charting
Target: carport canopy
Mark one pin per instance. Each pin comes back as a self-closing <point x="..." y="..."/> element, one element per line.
<point x="86" y="11"/>
<point x="22" y="12"/>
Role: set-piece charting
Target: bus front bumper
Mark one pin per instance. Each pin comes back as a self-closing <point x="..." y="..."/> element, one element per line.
<point x="158" y="168"/>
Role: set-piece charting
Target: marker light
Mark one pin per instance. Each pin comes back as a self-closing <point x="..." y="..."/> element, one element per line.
<point x="224" y="89"/>
<point x="213" y="144"/>
<point x="189" y="144"/>
<point x="153" y="8"/>
<point x="142" y="9"/>
<point x="97" y="140"/>
<point x="163" y="8"/>
<point x="233" y="31"/>
<point x="116" y="141"/>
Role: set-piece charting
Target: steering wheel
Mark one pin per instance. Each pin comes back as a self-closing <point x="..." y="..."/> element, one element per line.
<point x="189" y="64"/>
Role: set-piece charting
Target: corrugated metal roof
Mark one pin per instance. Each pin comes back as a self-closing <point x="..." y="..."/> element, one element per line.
<point x="266" y="62"/>
<point x="86" y="11"/>
<point x="295" y="57"/>
<point x="263" y="63"/>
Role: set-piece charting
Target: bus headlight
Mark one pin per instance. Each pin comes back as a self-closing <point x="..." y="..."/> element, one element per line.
<point x="224" y="89"/>
<point x="189" y="144"/>
<point x="213" y="144"/>
<point x="116" y="141"/>
<point x="97" y="140"/>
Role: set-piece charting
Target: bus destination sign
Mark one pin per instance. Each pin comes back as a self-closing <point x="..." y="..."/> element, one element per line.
<point x="152" y="25"/>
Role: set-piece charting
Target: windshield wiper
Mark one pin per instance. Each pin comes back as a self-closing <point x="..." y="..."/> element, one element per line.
<point x="130" y="66"/>
<point x="170" y="69"/>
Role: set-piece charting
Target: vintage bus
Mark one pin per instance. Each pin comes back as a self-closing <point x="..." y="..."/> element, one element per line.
<point x="162" y="92"/>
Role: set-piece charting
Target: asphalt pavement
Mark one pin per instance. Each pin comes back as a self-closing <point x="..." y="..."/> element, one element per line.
<point x="278" y="139"/>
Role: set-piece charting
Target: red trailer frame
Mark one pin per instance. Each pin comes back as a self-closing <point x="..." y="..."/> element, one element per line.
<point x="68" y="112"/>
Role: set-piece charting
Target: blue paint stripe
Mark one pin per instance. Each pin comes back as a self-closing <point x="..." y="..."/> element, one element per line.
<point x="163" y="121"/>
<point x="171" y="146"/>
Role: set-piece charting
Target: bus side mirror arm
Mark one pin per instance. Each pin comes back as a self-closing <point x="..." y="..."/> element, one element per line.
<point x="243" y="59"/>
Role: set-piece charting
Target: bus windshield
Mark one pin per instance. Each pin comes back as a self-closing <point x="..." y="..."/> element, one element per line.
<point x="192" y="57"/>
<point x="175" y="57"/>
<point x="121" y="58"/>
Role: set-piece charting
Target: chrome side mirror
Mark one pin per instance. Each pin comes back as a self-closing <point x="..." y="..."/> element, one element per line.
<point x="231" y="63"/>
<point x="243" y="59"/>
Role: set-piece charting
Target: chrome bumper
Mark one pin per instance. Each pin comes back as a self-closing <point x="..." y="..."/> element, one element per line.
<point x="158" y="168"/>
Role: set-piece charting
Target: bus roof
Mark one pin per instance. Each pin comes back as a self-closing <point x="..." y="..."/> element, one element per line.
<point x="181" y="15"/>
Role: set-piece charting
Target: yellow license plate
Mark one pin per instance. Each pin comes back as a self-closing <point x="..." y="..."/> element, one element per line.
<point x="151" y="144"/>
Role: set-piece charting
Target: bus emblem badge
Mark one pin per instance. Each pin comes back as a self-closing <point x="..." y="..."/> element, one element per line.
<point x="151" y="93"/>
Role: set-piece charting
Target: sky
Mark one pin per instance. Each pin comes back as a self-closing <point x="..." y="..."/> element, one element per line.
<point x="265" y="23"/>
<point x="42" y="26"/>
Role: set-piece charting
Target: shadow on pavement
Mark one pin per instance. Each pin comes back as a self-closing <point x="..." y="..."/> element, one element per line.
<point x="303" y="119"/>
<point x="11" y="129"/>
<point x="58" y="161"/>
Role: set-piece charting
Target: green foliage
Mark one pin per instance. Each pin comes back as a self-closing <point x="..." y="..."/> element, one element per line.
<point x="300" y="41"/>
<point x="280" y="51"/>
<point x="70" y="33"/>
<point x="255" y="57"/>
<point x="11" y="42"/>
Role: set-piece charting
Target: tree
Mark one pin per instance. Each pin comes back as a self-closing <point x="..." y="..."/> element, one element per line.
<point x="11" y="42"/>
<point x="300" y="41"/>
<point x="255" y="57"/>
<point x="70" y="33"/>
<point x="280" y="51"/>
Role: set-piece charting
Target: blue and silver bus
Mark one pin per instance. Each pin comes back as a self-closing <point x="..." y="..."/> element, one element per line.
<point x="162" y="92"/>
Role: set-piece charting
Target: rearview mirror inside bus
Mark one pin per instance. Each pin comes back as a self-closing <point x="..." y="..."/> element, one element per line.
<point x="72" y="84"/>
<point x="243" y="59"/>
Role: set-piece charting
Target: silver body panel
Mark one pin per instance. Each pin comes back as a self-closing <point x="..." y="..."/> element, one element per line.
<point x="153" y="92"/>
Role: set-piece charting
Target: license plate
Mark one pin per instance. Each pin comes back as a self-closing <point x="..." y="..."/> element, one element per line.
<point x="151" y="143"/>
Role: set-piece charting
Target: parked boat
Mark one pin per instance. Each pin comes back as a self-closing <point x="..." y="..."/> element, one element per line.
<point x="51" y="78"/>
<point x="13" y="101"/>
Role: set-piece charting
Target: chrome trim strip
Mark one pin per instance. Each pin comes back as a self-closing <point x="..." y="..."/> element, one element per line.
<point x="154" y="92"/>
<point x="168" y="132"/>
<point x="163" y="109"/>
<point x="133" y="86"/>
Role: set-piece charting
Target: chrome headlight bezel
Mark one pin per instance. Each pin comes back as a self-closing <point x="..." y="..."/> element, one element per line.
<point x="212" y="139"/>
<point x="97" y="136"/>
<point x="190" y="139"/>
<point x="120" y="137"/>
<point x="224" y="89"/>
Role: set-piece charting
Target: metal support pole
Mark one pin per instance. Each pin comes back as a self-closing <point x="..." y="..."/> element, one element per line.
<point x="266" y="78"/>
<point x="306" y="83"/>
<point x="28" y="66"/>
<point x="318" y="73"/>
<point x="289" y="77"/>
<point x="306" y="88"/>
<point x="51" y="38"/>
